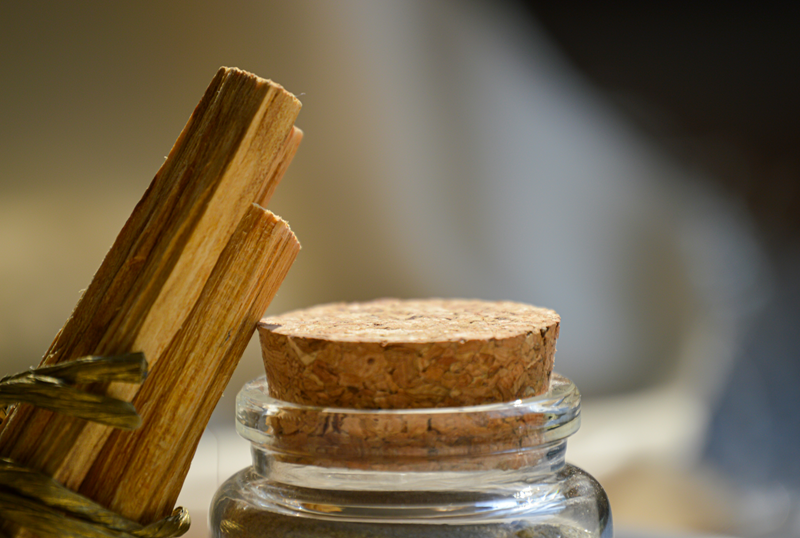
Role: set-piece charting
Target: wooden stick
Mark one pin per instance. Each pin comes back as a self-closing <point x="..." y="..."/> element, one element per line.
<point x="195" y="367"/>
<point x="228" y="155"/>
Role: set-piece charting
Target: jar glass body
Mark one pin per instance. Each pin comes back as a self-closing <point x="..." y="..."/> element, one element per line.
<point x="490" y="471"/>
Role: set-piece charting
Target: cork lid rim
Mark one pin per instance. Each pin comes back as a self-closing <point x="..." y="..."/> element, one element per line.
<point x="424" y="324"/>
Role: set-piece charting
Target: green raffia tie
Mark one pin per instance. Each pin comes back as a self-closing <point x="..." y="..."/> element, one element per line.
<point x="37" y="502"/>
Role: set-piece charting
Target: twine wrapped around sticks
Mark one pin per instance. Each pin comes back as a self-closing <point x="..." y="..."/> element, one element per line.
<point x="39" y="503"/>
<point x="50" y="387"/>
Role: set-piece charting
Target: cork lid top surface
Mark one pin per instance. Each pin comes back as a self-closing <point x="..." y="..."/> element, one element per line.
<point x="394" y="353"/>
<point x="395" y="321"/>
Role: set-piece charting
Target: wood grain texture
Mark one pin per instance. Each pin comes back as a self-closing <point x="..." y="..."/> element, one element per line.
<point x="409" y="354"/>
<point x="250" y="269"/>
<point x="146" y="296"/>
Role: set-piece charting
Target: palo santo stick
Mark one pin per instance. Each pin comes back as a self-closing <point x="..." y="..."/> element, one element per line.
<point x="157" y="268"/>
<point x="409" y="354"/>
<point x="251" y="269"/>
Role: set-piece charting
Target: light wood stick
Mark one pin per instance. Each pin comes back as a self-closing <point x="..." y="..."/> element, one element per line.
<point x="230" y="153"/>
<point x="193" y="370"/>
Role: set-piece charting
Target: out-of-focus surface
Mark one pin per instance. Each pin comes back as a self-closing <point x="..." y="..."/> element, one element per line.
<point x="717" y="89"/>
<point x="451" y="149"/>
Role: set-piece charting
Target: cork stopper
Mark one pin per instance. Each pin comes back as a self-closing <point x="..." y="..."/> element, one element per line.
<point x="402" y="354"/>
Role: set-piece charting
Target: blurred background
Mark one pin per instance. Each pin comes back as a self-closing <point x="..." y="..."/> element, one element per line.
<point x="635" y="169"/>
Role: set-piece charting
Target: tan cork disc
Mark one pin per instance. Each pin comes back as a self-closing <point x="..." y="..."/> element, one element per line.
<point x="400" y="354"/>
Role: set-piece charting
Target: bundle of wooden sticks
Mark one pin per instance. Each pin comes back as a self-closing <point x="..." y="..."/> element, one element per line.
<point x="186" y="281"/>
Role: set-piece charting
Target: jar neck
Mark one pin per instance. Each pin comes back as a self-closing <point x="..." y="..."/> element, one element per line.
<point x="306" y="445"/>
<point x="499" y="470"/>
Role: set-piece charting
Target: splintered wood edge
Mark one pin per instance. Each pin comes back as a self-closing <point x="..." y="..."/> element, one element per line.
<point x="415" y="353"/>
<point x="287" y="153"/>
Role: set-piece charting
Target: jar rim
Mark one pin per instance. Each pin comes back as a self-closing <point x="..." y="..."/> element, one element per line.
<point x="546" y="418"/>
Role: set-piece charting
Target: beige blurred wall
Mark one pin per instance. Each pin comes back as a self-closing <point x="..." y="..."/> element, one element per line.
<point x="449" y="150"/>
<point x="94" y="94"/>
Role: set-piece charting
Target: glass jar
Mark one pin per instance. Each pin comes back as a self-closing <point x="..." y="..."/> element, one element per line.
<point x="488" y="471"/>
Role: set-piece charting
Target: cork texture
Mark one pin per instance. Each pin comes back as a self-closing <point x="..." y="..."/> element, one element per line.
<point x="402" y="354"/>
